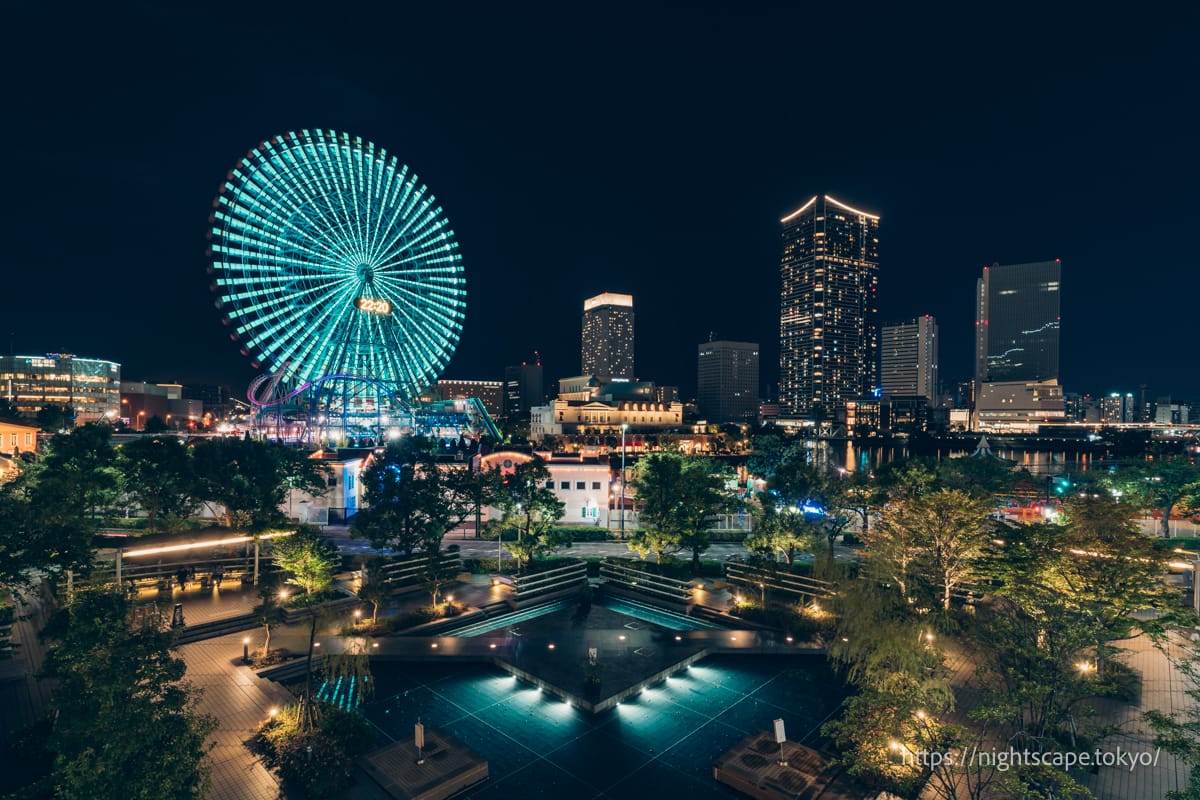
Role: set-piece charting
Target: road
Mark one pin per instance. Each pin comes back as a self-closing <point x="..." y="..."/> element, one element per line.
<point x="483" y="548"/>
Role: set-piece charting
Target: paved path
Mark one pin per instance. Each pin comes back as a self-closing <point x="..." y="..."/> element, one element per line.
<point x="240" y="701"/>
<point x="24" y="699"/>
<point x="1162" y="689"/>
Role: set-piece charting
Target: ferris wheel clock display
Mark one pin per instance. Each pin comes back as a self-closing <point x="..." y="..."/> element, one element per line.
<point x="334" y="264"/>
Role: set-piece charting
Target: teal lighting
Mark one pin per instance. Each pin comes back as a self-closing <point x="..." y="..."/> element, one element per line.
<point x="331" y="258"/>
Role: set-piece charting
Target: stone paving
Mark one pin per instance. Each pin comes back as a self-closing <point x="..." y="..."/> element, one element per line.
<point x="1162" y="688"/>
<point x="240" y="701"/>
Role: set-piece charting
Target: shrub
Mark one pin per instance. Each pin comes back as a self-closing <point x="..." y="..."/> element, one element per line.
<point x="318" y="759"/>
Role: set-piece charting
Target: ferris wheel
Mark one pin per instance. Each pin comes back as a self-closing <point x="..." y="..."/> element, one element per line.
<point x="334" y="264"/>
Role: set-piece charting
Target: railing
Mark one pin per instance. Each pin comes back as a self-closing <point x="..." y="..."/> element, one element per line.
<point x="753" y="577"/>
<point x="552" y="580"/>
<point x="412" y="570"/>
<point x="636" y="580"/>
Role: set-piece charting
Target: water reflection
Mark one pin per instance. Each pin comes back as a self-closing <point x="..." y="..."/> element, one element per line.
<point x="853" y="457"/>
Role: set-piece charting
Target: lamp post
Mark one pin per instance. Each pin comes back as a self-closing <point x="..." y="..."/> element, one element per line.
<point x="624" y="427"/>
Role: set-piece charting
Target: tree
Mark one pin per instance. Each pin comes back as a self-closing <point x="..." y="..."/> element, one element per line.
<point x="155" y="424"/>
<point x="372" y="587"/>
<point x="784" y="532"/>
<point x="940" y="535"/>
<point x="310" y="560"/>
<point x="678" y="497"/>
<point x="55" y="419"/>
<point x="1162" y="485"/>
<point x="412" y="502"/>
<point x="125" y="723"/>
<point x="532" y="509"/>
<point x="9" y="411"/>
<point x="157" y="474"/>
<point x="656" y="541"/>
<point x="250" y="479"/>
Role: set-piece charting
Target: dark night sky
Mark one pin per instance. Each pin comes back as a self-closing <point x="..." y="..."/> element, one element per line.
<point x="581" y="148"/>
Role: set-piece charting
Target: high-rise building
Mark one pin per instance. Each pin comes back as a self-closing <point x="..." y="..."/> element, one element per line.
<point x="727" y="381"/>
<point x="490" y="393"/>
<point x="828" y="336"/>
<point x="608" y="336"/>
<point x="522" y="389"/>
<point x="91" y="388"/>
<point x="1017" y="321"/>
<point x="1016" y="347"/>
<point x="909" y="360"/>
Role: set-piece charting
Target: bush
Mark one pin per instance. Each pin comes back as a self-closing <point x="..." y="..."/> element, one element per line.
<point x="318" y="759"/>
<point x="1181" y="542"/>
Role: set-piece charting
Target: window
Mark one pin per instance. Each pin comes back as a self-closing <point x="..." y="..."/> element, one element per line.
<point x="549" y="484"/>
<point x="595" y="485"/>
<point x="580" y="485"/>
<point x="564" y="485"/>
<point x="583" y="513"/>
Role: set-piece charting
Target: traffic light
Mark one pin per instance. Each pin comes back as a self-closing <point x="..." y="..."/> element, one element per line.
<point x="1061" y="485"/>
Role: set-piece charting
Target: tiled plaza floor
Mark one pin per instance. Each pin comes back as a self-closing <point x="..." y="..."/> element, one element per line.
<point x="660" y="744"/>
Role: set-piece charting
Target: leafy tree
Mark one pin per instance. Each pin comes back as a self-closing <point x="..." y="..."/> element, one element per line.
<point x="784" y="532"/>
<point x="858" y="494"/>
<point x="373" y="589"/>
<point x="54" y="419"/>
<point x="678" y="497"/>
<point x="981" y="477"/>
<point x="310" y="561"/>
<point x="250" y="479"/>
<point x="157" y="474"/>
<point x="902" y="480"/>
<point x="412" y="502"/>
<point x="660" y="543"/>
<point x="532" y="509"/>
<point x="155" y="424"/>
<point x="125" y="722"/>
<point x="9" y="411"/>
<point x="1162" y="485"/>
<point x="269" y="610"/>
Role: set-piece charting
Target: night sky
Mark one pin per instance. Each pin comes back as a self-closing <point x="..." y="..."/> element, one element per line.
<point x="578" y="148"/>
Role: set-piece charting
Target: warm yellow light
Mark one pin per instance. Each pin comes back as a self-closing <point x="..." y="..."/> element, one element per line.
<point x="245" y="640"/>
<point x="920" y="715"/>
<point x="357" y="613"/>
<point x="175" y="548"/>
<point x="274" y="712"/>
<point x="283" y="594"/>
<point x="434" y="646"/>
<point x="851" y="209"/>
<point x="800" y="210"/>
<point x="550" y="646"/>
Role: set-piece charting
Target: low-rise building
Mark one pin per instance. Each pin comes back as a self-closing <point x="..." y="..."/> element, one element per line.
<point x="16" y="438"/>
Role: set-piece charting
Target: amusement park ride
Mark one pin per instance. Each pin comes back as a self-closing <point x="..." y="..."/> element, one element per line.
<point x="334" y="266"/>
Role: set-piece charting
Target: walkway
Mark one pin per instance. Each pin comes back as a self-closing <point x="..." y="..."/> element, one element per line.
<point x="240" y="701"/>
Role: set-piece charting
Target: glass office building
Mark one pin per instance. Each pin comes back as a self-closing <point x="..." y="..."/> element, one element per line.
<point x="90" y="387"/>
<point x="1017" y="322"/>
<point x="828" y="328"/>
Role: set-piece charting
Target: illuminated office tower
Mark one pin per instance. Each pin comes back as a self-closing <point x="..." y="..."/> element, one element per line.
<point x="828" y="334"/>
<point x="1017" y="322"/>
<point x="607" y="345"/>
<point x="727" y="381"/>
<point x="909" y="360"/>
<point x="1016" y="347"/>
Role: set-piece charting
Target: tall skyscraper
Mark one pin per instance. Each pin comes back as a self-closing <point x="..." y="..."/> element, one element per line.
<point x="909" y="362"/>
<point x="828" y="334"/>
<point x="727" y="381"/>
<point x="522" y="389"/>
<point x="608" y="336"/>
<point x="1016" y="347"/>
<point x="1016" y="322"/>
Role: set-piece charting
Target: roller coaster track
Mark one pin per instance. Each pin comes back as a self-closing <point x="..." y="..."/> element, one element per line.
<point x="259" y="401"/>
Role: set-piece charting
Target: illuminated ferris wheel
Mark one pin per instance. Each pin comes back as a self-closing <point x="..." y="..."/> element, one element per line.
<point x="335" y="266"/>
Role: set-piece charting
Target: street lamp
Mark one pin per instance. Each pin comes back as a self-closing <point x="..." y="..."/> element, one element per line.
<point x="624" y="427"/>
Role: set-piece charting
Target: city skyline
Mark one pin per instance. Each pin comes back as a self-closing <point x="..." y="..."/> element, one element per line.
<point x="710" y="152"/>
